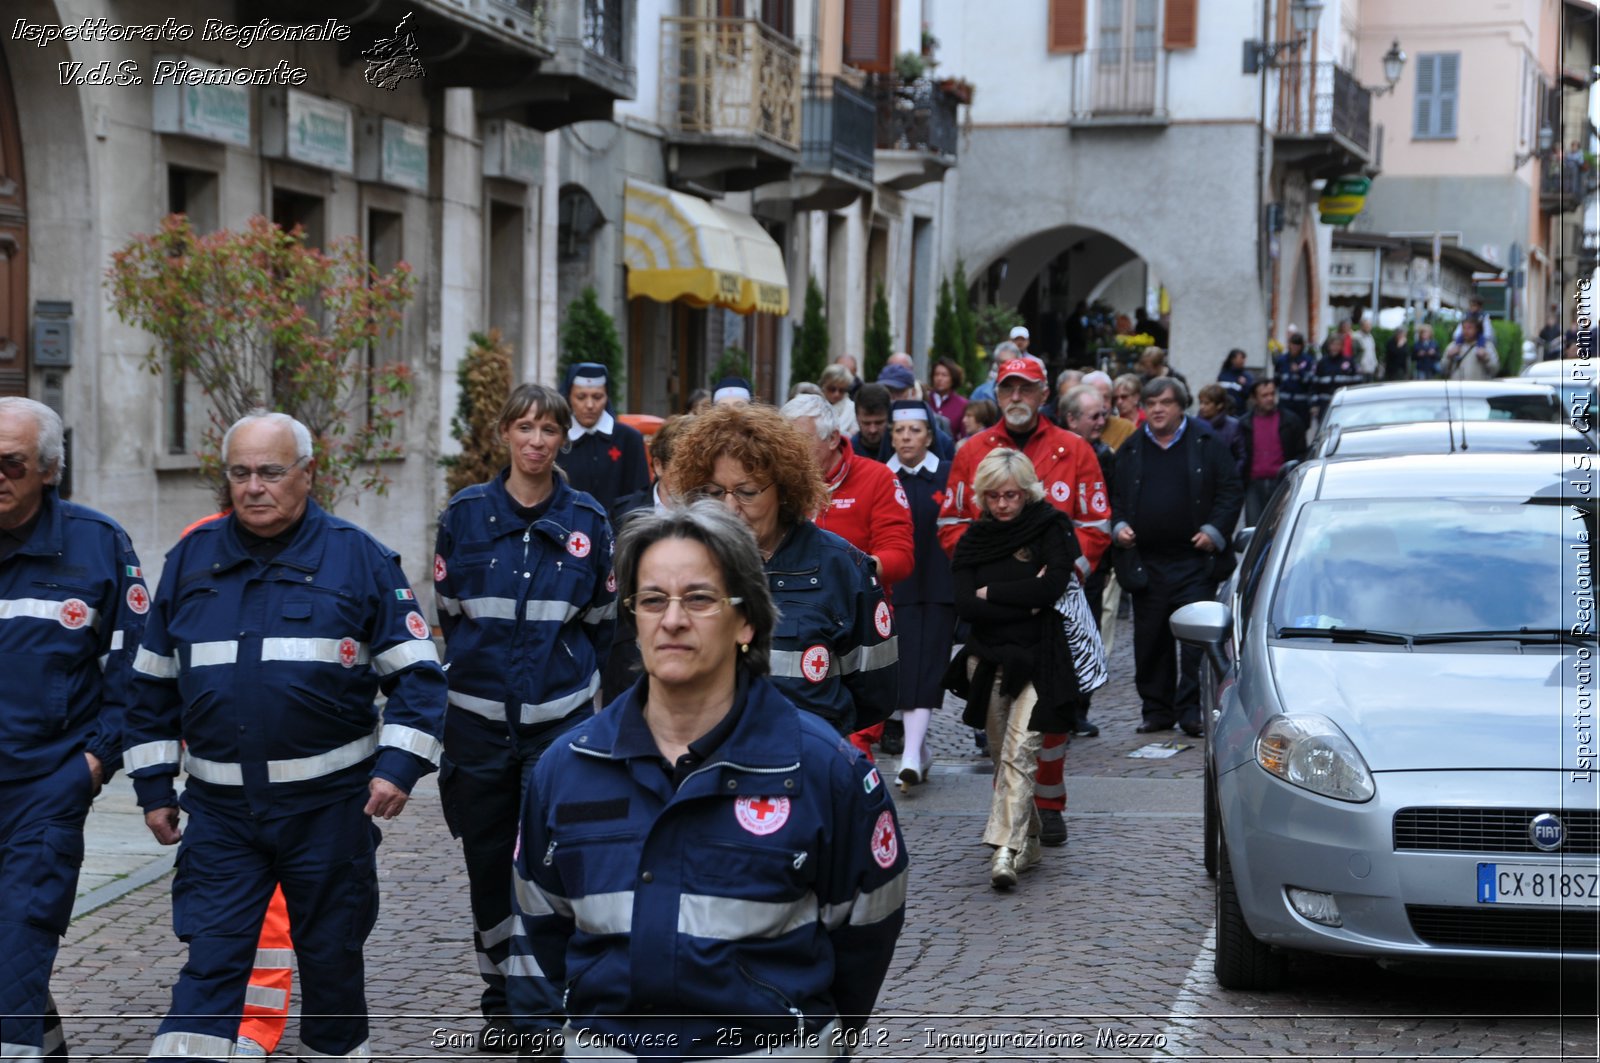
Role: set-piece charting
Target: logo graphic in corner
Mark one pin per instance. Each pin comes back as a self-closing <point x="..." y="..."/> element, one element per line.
<point x="74" y="614"/>
<point x="1547" y="832"/>
<point x="1060" y="491"/>
<point x="391" y="60"/>
<point x="883" y="619"/>
<point x="578" y="544"/>
<point x="138" y="599"/>
<point x="439" y="571"/>
<point x="761" y="815"/>
<point x="416" y="625"/>
<point x="348" y="654"/>
<point x="814" y="663"/>
<point x="885" y="842"/>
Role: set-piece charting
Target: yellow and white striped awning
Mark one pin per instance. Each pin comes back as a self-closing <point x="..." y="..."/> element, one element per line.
<point x="679" y="247"/>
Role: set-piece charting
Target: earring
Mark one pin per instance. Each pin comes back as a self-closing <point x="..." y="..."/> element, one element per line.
<point x="744" y="647"/>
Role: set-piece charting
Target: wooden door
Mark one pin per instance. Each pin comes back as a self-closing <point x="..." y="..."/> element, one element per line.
<point x="13" y="247"/>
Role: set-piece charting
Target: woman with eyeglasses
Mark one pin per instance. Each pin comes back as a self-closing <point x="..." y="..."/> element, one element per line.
<point x="1010" y="569"/>
<point x="1125" y="393"/>
<point x="705" y="823"/>
<point x="522" y="578"/>
<point x="834" y="651"/>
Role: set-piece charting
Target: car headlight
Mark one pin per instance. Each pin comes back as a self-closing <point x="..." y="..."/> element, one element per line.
<point x="1309" y="751"/>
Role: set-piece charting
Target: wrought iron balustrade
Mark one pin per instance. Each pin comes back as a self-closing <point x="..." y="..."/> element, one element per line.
<point x="730" y="77"/>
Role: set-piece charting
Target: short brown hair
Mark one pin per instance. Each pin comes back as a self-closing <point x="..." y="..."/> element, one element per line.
<point x="757" y="437"/>
<point x="666" y="437"/>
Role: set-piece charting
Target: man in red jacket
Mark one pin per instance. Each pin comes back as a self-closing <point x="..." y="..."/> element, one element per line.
<point x="867" y="508"/>
<point x="1074" y="484"/>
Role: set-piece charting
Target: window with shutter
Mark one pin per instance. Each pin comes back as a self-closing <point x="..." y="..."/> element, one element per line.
<point x="869" y="35"/>
<point x="1067" y="30"/>
<point x="1182" y="24"/>
<point x="1434" y="114"/>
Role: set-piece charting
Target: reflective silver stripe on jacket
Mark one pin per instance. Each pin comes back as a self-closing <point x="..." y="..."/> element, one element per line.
<point x="274" y="959"/>
<point x="151" y="754"/>
<point x="560" y="707"/>
<point x="206" y="654"/>
<point x="786" y="663"/>
<point x="447" y="604"/>
<point x="604" y="913"/>
<point x="867" y="908"/>
<point x="423" y="744"/>
<point x="10" y="1050"/>
<point x="534" y="900"/>
<point x="155" y="665"/>
<point x="601" y="613"/>
<point x="299" y="769"/>
<point x="501" y="931"/>
<point x="818" y="1045"/>
<point x="543" y="609"/>
<point x="404" y="655"/>
<point x="733" y="919"/>
<point x="360" y="1051"/>
<point x="885" y="654"/>
<point x="42" y="609"/>
<point x="489" y="710"/>
<point x="264" y="996"/>
<point x="192" y="1046"/>
<point x="519" y="965"/>
<point x="490" y="608"/>
<point x="325" y="651"/>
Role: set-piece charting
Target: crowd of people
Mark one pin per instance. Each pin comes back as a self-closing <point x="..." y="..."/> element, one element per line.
<point x="668" y="669"/>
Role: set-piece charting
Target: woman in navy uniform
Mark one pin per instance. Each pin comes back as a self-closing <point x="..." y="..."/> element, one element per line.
<point x="924" y="603"/>
<point x="604" y="458"/>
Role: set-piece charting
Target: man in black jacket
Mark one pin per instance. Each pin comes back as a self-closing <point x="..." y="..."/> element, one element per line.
<point x="1176" y="497"/>
<point x="1271" y="436"/>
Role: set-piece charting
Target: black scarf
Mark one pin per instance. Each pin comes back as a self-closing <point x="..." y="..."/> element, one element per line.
<point x="989" y="540"/>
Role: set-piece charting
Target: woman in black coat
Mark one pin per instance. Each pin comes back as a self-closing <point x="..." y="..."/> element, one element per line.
<point x="1010" y="569"/>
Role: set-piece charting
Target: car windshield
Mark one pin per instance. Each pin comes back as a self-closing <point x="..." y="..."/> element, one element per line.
<point x="1519" y="407"/>
<point x="1417" y="566"/>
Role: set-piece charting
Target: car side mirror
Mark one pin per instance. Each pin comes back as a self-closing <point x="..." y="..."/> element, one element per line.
<point x="1204" y="624"/>
<point x="1241" y="539"/>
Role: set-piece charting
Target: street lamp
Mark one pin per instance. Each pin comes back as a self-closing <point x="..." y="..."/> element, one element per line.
<point x="1394" y="61"/>
<point x="1547" y="140"/>
<point x="1304" y="16"/>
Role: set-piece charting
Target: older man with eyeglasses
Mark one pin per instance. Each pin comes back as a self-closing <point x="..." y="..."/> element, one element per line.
<point x="284" y="623"/>
<point x="72" y="608"/>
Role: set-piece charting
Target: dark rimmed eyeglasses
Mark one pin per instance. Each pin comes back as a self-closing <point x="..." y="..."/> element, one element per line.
<point x="13" y="468"/>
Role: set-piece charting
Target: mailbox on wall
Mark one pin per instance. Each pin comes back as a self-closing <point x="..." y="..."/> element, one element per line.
<point x="52" y="334"/>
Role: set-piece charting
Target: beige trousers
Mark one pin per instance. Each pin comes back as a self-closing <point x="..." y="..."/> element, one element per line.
<point x="1015" y="752"/>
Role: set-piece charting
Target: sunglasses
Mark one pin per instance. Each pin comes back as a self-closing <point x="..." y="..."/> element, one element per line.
<point x="13" y="468"/>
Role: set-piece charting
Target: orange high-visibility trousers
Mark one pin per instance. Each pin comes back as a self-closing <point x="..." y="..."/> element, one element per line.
<point x="266" y="999"/>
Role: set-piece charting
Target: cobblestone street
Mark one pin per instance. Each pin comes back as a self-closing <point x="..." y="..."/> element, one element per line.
<point x="1102" y="951"/>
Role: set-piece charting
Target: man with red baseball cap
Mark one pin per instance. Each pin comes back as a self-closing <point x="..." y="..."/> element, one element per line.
<point x="1073" y="482"/>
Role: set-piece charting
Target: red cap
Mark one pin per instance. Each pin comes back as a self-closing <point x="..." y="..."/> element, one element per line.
<point x="1023" y="367"/>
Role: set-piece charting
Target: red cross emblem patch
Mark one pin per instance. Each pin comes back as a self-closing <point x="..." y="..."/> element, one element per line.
<point x="938" y="497"/>
<point x="814" y="663"/>
<point x="578" y="544"/>
<point x="438" y="568"/>
<point x="416" y="625"/>
<point x="885" y="842"/>
<point x="138" y="599"/>
<point x="1060" y="491"/>
<point x="614" y="454"/>
<point x="74" y="614"/>
<point x="348" y="652"/>
<point x="900" y="496"/>
<point x="882" y="619"/>
<point x="761" y="815"/>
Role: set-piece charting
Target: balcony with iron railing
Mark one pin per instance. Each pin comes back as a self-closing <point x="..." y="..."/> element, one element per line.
<point x="1563" y="183"/>
<point x="1115" y="86"/>
<point x="593" y="66"/>
<point x="1321" y="117"/>
<point x="838" y="130"/>
<point x="916" y="130"/>
<point x="730" y="99"/>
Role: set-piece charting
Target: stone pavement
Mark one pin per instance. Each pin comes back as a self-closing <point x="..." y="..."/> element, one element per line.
<point x="1101" y="951"/>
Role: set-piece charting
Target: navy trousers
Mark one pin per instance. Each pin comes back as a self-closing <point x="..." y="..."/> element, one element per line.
<point x="41" y="850"/>
<point x="228" y="864"/>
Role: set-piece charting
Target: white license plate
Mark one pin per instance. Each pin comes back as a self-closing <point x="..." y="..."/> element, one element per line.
<point x="1543" y="884"/>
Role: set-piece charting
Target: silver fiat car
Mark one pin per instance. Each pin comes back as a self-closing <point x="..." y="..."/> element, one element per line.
<point x="1401" y="702"/>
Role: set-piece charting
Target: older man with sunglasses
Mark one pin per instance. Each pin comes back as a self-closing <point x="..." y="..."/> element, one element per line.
<point x="271" y="635"/>
<point x="72" y="607"/>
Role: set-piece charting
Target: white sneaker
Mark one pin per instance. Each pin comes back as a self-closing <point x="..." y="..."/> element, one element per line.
<point x="249" y="1047"/>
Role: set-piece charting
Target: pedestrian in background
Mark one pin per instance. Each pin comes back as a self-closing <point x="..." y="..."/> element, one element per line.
<point x="1296" y="374"/>
<point x="834" y="654"/>
<point x="1010" y="568"/>
<point x="704" y="819"/>
<point x="288" y="759"/>
<point x="980" y="414"/>
<point x="872" y="423"/>
<point x="1272" y="437"/>
<point x="604" y="457"/>
<point x="1115" y="428"/>
<point x="944" y="396"/>
<point x="1472" y="355"/>
<point x="1336" y="370"/>
<point x="1125" y="392"/>
<point x="521" y="573"/>
<point x="1214" y="406"/>
<point x="1427" y="356"/>
<point x="836" y="382"/>
<point x="1235" y="379"/>
<point x="72" y="611"/>
<point x="1176" y="500"/>
<point x="924" y="601"/>
<point x="1397" y="355"/>
<point x="1364" y="348"/>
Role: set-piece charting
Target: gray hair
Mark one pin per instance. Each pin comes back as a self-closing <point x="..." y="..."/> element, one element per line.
<point x="1068" y="378"/>
<point x="1161" y="385"/>
<point x="1097" y="378"/>
<point x="52" y="451"/>
<point x="1073" y="403"/>
<point x="813" y="406"/>
<point x="1001" y="465"/>
<point x="1004" y="352"/>
<point x="836" y="374"/>
<point x="732" y="546"/>
<point x="302" y="434"/>
<point x="804" y="387"/>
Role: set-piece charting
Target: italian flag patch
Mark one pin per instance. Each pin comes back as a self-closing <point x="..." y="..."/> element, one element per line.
<point x="133" y="572"/>
<point x="404" y="594"/>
